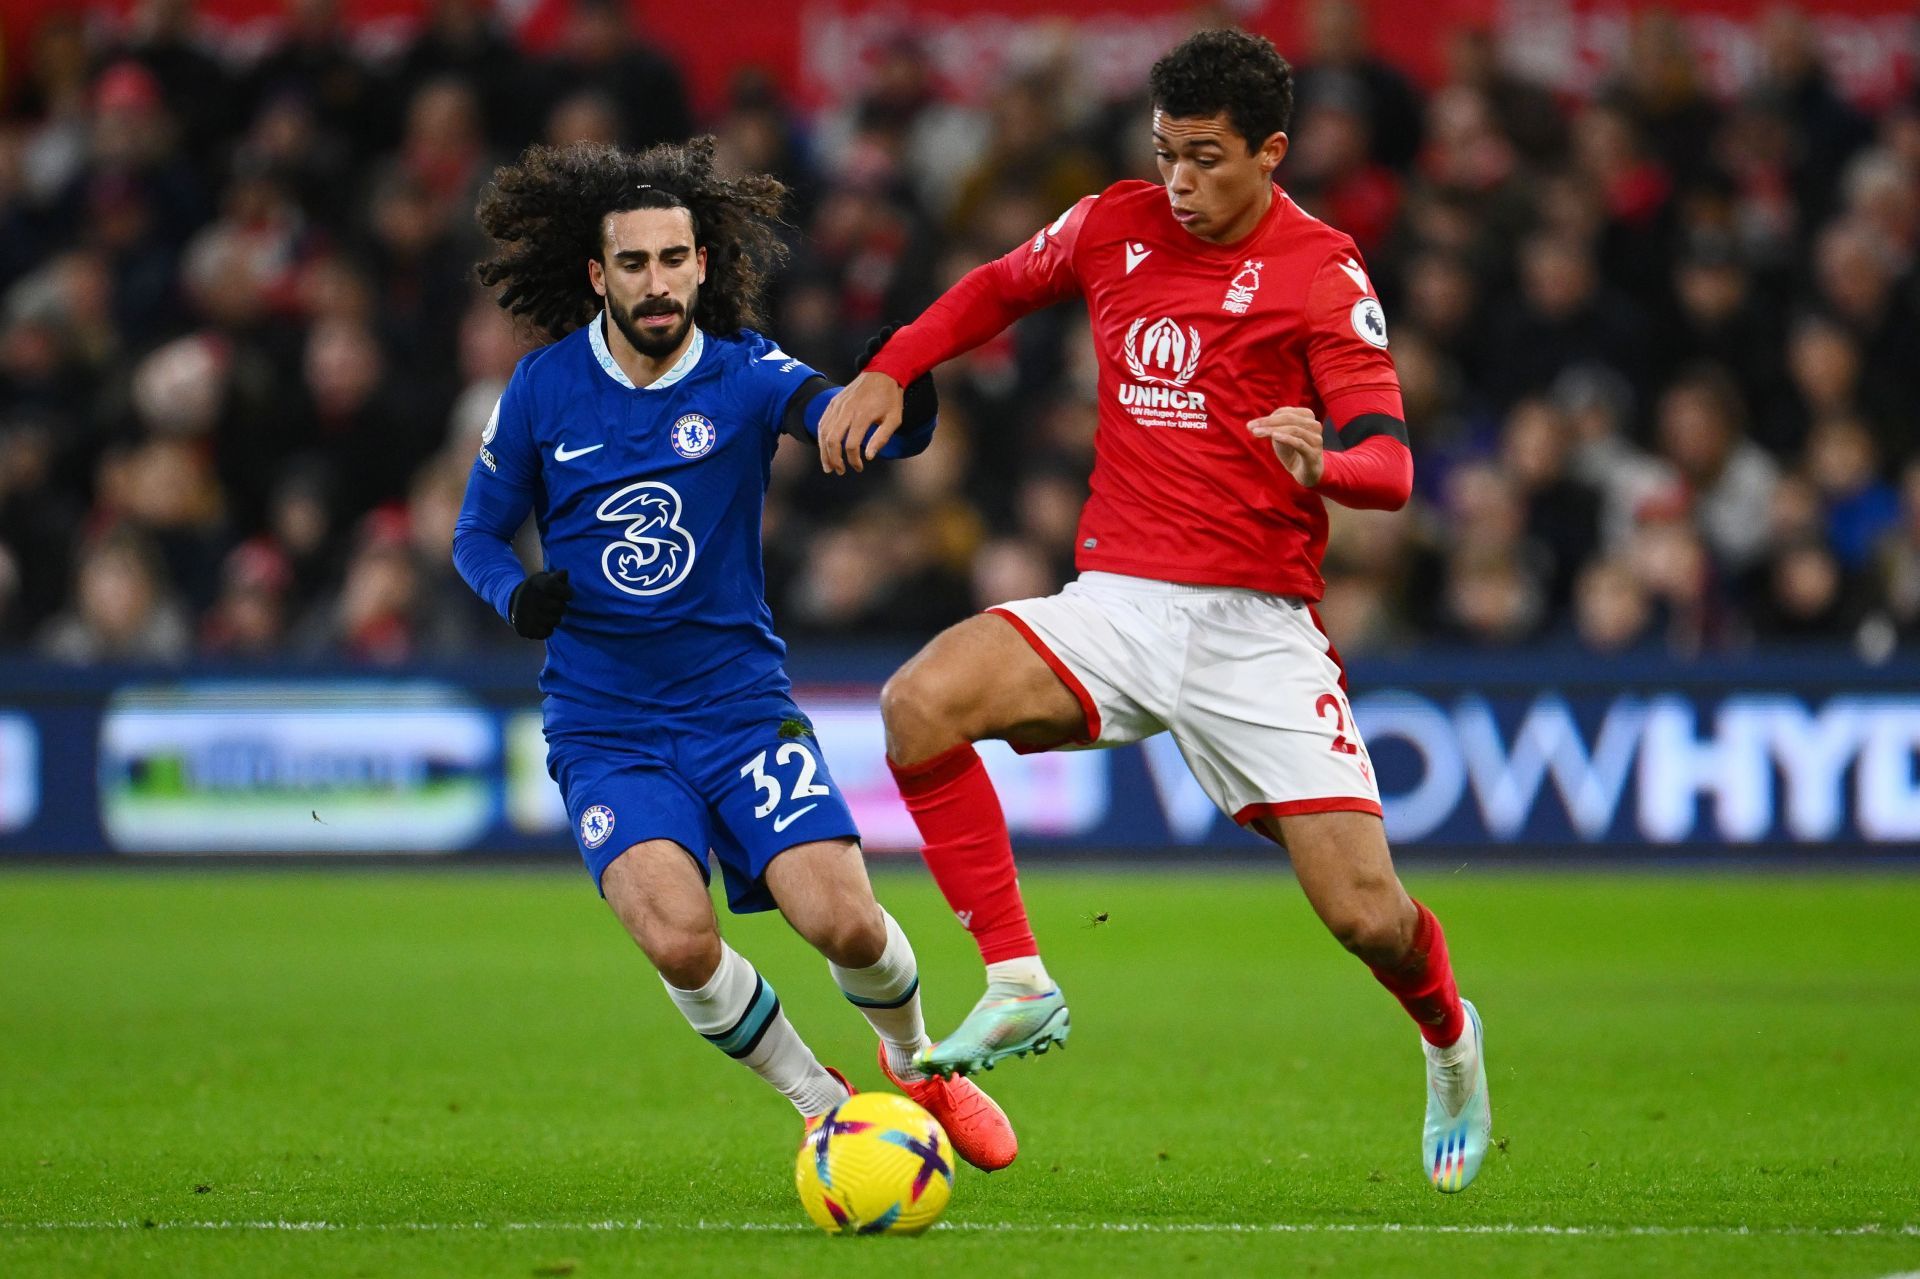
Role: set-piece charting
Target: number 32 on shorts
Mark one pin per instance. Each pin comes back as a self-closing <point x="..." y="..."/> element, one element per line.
<point x="804" y="787"/>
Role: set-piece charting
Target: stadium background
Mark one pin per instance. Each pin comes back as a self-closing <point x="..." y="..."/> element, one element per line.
<point x="1651" y="274"/>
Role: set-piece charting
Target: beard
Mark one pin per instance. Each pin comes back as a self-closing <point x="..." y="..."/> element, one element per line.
<point x="653" y="343"/>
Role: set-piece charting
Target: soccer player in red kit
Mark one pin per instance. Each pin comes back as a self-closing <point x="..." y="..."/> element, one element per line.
<point x="1244" y="382"/>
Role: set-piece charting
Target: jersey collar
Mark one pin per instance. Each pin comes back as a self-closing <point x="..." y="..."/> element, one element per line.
<point x="597" y="336"/>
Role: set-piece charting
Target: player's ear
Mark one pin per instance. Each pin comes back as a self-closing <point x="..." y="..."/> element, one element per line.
<point x="597" y="276"/>
<point x="1272" y="152"/>
<point x="701" y="253"/>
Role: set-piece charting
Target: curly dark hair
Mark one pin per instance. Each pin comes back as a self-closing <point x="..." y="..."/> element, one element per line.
<point x="1231" y="71"/>
<point x="546" y="217"/>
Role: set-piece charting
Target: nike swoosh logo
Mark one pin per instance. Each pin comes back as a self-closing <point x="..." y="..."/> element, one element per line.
<point x="781" y="823"/>
<point x="1135" y="256"/>
<point x="560" y="453"/>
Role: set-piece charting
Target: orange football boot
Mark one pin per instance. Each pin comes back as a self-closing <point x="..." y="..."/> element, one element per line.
<point x="979" y="1130"/>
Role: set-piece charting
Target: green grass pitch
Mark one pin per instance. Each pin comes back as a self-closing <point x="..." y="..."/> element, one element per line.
<point x="475" y="1074"/>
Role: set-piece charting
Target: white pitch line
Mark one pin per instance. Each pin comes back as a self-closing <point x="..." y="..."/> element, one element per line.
<point x="1009" y="1227"/>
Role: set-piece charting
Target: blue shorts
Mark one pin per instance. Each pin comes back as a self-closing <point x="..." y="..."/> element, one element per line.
<point x="745" y="780"/>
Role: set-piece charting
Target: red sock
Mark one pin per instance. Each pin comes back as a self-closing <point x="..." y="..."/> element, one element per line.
<point x="1423" y="983"/>
<point x="967" y="848"/>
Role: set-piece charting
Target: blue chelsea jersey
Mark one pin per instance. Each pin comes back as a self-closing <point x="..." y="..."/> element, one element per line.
<point x="651" y="498"/>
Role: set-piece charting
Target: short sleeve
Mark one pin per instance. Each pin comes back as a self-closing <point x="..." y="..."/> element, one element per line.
<point x="1347" y="341"/>
<point x="771" y="378"/>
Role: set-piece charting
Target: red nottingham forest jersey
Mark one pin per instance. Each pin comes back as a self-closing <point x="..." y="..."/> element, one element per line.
<point x="1195" y="340"/>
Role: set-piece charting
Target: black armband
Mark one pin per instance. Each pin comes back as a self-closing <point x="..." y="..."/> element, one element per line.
<point x="1368" y="425"/>
<point x="794" y="421"/>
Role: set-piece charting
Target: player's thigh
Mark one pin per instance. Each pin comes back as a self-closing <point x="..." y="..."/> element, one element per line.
<point x="659" y="893"/>
<point x="619" y="794"/>
<point x="976" y="680"/>
<point x="764" y="778"/>
<point x="1263" y="721"/>
<point x="823" y="891"/>
<point x="1345" y="869"/>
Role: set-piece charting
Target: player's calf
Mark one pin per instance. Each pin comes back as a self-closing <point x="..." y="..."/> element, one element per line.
<point x="738" y="1012"/>
<point x="658" y="893"/>
<point x="887" y="993"/>
<point x="823" y="890"/>
<point x="1377" y="929"/>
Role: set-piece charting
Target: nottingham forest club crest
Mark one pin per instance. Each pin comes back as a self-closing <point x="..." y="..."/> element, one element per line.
<point x="1244" y="285"/>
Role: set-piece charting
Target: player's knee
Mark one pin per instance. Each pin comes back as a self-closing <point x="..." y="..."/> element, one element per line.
<point x="915" y="704"/>
<point x="1370" y="929"/>
<point x="854" y="939"/>
<point x="687" y="958"/>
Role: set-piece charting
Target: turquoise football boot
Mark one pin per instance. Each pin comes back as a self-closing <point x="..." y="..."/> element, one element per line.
<point x="1453" y="1144"/>
<point x="1002" y="1025"/>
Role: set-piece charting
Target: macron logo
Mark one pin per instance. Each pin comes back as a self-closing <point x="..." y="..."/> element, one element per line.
<point x="1356" y="274"/>
<point x="1136" y="254"/>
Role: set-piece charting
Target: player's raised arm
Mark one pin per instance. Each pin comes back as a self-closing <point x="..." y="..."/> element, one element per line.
<point x="984" y="301"/>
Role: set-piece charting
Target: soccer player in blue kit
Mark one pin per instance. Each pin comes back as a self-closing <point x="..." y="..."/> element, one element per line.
<point x="641" y="438"/>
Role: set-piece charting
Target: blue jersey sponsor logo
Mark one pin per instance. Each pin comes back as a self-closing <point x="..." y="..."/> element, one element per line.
<point x="655" y="553"/>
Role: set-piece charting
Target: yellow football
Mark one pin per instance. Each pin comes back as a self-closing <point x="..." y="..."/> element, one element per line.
<point x="875" y="1165"/>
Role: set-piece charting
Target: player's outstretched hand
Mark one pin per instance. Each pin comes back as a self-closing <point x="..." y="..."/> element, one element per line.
<point x="919" y="403"/>
<point x="1297" y="440"/>
<point x="538" y="604"/>
<point x="870" y="398"/>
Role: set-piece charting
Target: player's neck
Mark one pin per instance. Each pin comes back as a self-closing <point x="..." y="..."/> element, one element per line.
<point x="1242" y="227"/>
<point x="641" y="370"/>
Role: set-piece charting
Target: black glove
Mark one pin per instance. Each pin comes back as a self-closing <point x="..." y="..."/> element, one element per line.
<point x="537" y="604"/>
<point x="921" y="403"/>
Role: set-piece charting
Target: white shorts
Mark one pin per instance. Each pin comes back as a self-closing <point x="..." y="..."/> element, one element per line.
<point x="1247" y="682"/>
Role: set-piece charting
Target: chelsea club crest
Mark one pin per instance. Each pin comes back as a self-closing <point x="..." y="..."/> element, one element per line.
<point x="693" y="435"/>
<point x="595" y="825"/>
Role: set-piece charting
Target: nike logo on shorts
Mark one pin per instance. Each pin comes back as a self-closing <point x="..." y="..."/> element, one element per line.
<point x="781" y="823"/>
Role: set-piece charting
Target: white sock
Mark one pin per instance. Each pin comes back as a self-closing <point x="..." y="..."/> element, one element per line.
<point x="887" y="993"/>
<point x="1026" y="974"/>
<point x="1453" y="1069"/>
<point x="738" y="1013"/>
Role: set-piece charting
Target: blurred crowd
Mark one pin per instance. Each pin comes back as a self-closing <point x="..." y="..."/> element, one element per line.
<point x="1660" y="351"/>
